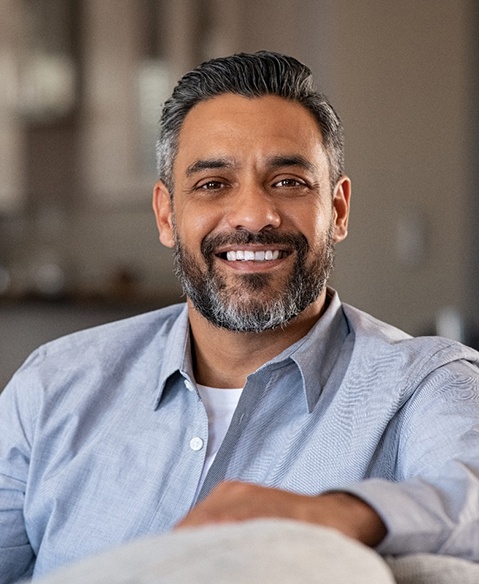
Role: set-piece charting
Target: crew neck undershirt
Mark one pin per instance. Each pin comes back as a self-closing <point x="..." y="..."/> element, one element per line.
<point x="220" y="405"/>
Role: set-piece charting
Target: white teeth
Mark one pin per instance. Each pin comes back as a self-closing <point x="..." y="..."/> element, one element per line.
<point x="248" y="255"/>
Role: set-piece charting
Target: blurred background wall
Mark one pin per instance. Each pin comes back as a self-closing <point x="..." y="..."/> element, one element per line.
<point x="81" y="88"/>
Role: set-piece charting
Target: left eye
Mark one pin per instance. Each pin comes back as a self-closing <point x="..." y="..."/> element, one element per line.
<point x="288" y="182"/>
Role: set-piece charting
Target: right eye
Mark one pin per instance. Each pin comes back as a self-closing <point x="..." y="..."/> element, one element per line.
<point x="211" y="185"/>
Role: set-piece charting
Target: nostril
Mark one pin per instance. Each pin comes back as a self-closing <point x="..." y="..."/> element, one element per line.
<point x="254" y="214"/>
<point x="255" y="221"/>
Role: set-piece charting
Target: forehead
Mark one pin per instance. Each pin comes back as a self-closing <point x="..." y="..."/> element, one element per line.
<point x="241" y="126"/>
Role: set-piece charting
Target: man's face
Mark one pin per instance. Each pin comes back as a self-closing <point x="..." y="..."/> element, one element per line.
<point x="254" y="219"/>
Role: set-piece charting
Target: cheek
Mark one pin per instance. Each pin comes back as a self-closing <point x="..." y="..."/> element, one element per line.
<point x="314" y="223"/>
<point x="194" y="223"/>
<point x="319" y="238"/>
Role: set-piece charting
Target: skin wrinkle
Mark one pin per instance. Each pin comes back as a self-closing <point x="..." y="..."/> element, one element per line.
<point x="280" y="161"/>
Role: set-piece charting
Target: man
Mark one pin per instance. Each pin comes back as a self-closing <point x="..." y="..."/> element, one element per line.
<point x="263" y="396"/>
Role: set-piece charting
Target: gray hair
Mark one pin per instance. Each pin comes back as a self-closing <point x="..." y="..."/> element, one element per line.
<point x="252" y="76"/>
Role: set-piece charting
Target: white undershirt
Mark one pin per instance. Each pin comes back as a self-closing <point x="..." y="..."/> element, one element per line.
<point x="220" y="405"/>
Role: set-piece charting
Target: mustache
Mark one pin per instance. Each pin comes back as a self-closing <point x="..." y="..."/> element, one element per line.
<point x="295" y="241"/>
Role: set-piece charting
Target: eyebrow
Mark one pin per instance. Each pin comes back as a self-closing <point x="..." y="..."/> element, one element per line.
<point x="281" y="161"/>
<point x="209" y="164"/>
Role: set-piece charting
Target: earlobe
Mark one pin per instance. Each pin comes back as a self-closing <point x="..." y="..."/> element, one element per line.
<point x="163" y="212"/>
<point x="341" y="205"/>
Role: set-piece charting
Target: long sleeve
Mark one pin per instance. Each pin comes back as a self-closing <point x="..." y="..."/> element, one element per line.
<point x="434" y="505"/>
<point x="16" y="555"/>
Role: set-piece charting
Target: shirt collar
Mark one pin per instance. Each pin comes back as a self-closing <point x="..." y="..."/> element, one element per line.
<point x="318" y="354"/>
<point x="177" y="353"/>
<point x="315" y="354"/>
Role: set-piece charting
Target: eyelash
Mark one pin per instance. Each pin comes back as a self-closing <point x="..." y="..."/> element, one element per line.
<point x="210" y="185"/>
<point x="216" y="184"/>
<point x="297" y="183"/>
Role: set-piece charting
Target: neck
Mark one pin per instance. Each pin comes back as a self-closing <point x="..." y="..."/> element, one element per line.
<point x="223" y="358"/>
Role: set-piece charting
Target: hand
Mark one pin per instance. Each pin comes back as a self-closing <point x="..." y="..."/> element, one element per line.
<point x="235" y="501"/>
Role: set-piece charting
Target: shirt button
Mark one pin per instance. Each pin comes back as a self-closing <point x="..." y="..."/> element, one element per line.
<point x="188" y="385"/>
<point x="196" y="443"/>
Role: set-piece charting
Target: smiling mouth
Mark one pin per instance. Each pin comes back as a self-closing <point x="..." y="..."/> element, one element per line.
<point x="247" y="255"/>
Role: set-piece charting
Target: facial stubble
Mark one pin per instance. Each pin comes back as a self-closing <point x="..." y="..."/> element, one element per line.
<point x="252" y="304"/>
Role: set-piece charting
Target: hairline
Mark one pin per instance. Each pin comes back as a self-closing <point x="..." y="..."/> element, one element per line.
<point x="334" y="176"/>
<point x="333" y="180"/>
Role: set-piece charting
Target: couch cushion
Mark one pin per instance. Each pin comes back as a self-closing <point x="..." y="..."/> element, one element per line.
<point x="433" y="569"/>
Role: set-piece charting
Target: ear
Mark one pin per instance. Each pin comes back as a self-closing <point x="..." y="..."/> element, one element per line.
<point x="341" y="205"/>
<point x="162" y="207"/>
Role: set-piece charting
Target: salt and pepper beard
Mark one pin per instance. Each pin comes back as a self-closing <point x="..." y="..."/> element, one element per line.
<point x="243" y="307"/>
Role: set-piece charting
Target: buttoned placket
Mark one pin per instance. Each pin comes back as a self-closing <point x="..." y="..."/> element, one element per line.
<point x="199" y="442"/>
<point x="251" y="396"/>
<point x="188" y="412"/>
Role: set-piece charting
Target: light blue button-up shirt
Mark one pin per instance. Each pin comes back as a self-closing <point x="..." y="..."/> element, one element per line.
<point x="103" y="435"/>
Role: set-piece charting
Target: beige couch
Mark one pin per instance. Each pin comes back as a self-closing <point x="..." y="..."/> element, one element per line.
<point x="260" y="552"/>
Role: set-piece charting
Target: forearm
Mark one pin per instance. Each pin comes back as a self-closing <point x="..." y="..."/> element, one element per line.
<point x="237" y="501"/>
<point x="348" y="514"/>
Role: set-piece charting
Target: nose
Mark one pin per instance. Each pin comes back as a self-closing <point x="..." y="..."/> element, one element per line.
<point x="252" y="208"/>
